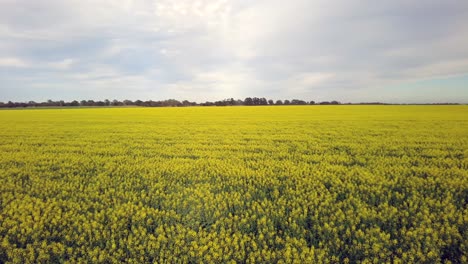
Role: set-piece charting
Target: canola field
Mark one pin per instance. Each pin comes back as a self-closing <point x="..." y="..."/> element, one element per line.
<point x="281" y="184"/>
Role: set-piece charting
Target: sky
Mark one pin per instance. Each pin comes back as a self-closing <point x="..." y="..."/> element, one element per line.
<point x="399" y="51"/>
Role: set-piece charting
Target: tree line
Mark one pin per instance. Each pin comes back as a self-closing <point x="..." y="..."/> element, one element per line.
<point x="250" y="101"/>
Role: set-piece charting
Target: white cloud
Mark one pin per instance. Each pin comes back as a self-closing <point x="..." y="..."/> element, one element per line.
<point x="61" y="65"/>
<point x="212" y="49"/>
<point x="13" y="62"/>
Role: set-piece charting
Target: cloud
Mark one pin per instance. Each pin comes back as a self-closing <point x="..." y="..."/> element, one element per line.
<point x="62" y="65"/>
<point x="13" y="62"/>
<point x="214" y="49"/>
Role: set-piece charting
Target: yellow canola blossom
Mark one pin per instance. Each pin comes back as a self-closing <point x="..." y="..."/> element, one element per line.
<point x="290" y="184"/>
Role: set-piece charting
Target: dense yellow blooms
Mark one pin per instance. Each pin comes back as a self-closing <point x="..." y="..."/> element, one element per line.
<point x="292" y="184"/>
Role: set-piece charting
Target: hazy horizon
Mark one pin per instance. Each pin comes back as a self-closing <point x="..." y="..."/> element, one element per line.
<point x="349" y="51"/>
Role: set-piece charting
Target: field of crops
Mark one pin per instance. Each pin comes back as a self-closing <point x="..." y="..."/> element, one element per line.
<point x="286" y="184"/>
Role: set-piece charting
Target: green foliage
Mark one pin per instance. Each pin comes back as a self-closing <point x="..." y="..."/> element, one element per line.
<point x="293" y="184"/>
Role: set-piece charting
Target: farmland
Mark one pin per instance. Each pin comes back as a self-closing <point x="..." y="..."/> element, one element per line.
<point x="286" y="184"/>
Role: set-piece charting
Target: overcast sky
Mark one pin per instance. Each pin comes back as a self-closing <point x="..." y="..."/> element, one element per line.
<point x="351" y="51"/>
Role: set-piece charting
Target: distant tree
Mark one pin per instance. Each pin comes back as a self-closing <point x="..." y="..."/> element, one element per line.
<point x="208" y="104"/>
<point x="74" y="103"/>
<point x="298" y="102"/>
<point x="287" y="102"/>
<point x="173" y="102"/>
<point x="248" y="101"/>
<point x="128" y="102"/>
<point x="220" y="103"/>
<point x="334" y="102"/>
<point x="270" y="102"/>
<point x="279" y="102"/>
<point x="116" y="102"/>
<point x="256" y="101"/>
<point x="107" y="102"/>
<point x="312" y="102"/>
